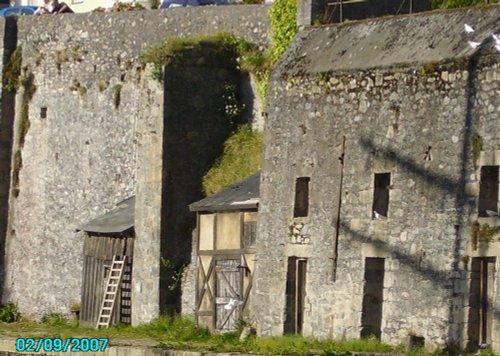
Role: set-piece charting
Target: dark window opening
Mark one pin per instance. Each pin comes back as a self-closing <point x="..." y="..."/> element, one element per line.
<point x="295" y="293"/>
<point x="488" y="191"/>
<point x="371" y="316"/>
<point x="481" y="296"/>
<point x="43" y="113"/>
<point x="301" y="207"/>
<point x="381" y="195"/>
<point x="249" y="233"/>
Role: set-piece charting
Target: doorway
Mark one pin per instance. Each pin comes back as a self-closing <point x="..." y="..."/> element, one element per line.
<point x="295" y="293"/>
<point x="481" y="300"/>
<point x="228" y="294"/>
<point x="373" y="294"/>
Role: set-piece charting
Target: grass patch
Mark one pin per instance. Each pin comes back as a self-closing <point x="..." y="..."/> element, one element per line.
<point x="175" y="332"/>
<point x="241" y="157"/>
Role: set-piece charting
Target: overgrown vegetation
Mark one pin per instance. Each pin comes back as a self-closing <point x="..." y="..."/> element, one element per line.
<point x="16" y="169"/>
<point x="12" y="70"/>
<point x="175" y="332"/>
<point x="476" y="148"/>
<point x="241" y="157"/>
<point x="117" y="93"/>
<point x="121" y="7"/>
<point x="483" y="233"/>
<point x="29" y="89"/>
<point x="449" y="4"/>
<point x="222" y="48"/>
<point x="283" y="15"/>
<point x="8" y="313"/>
<point x="175" y="272"/>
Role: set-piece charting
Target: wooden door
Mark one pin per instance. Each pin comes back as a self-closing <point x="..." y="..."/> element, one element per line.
<point x="227" y="294"/>
<point x="481" y="301"/>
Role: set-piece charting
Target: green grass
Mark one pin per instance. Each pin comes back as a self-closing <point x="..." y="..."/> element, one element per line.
<point x="181" y="333"/>
<point x="241" y="157"/>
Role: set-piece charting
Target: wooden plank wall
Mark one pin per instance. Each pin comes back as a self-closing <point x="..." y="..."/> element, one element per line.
<point x="98" y="255"/>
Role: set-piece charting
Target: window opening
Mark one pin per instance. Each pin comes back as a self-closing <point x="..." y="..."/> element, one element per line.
<point x="488" y="191"/>
<point x="301" y="207"/>
<point x="380" y="206"/>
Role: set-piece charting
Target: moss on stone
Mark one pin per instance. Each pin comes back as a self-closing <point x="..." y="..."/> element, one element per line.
<point x="29" y="89"/>
<point x="476" y="148"/>
<point x="117" y="89"/>
<point x="12" y="70"/>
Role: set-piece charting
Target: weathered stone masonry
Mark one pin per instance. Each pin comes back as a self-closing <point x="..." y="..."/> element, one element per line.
<point x="96" y="129"/>
<point x="408" y="94"/>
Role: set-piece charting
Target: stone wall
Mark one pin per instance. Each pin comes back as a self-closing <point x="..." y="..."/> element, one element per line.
<point x="412" y="120"/>
<point x="80" y="159"/>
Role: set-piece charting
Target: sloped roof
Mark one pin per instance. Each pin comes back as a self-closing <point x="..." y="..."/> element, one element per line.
<point x="398" y="40"/>
<point x="117" y="220"/>
<point x="241" y="195"/>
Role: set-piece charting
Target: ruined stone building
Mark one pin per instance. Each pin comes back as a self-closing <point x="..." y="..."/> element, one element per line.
<point x="379" y="195"/>
<point x="88" y="128"/>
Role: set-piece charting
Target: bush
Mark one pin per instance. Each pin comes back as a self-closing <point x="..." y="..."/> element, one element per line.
<point x="9" y="314"/>
<point x="54" y="319"/>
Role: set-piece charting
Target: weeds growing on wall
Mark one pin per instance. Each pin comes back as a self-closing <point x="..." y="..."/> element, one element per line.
<point x="12" y="70"/>
<point x="117" y="93"/>
<point x="176" y="271"/>
<point x="29" y="89"/>
<point x="449" y="4"/>
<point x="121" y="7"/>
<point x="476" y="148"/>
<point x="9" y="314"/>
<point x="483" y="233"/>
<point x="241" y="158"/>
<point x="222" y="48"/>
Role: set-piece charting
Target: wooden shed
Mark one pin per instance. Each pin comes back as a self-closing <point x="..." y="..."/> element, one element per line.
<point x="226" y="227"/>
<point x="108" y="238"/>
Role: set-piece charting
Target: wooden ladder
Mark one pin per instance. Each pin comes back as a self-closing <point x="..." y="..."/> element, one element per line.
<point x="111" y="290"/>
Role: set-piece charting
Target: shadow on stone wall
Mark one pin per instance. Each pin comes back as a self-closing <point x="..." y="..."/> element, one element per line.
<point x="455" y="278"/>
<point x="6" y="141"/>
<point x="195" y="128"/>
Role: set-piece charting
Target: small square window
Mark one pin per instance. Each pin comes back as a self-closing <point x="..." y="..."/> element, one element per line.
<point x="488" y="191"/>
<point x="43" y="113"/>
<point x="301" y="207"/>
<point x="381" y="195"/>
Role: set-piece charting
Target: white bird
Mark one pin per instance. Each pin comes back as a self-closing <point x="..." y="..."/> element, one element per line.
<point x="474" y="44"/>
<point x="468" y="28"/>
<point x="491" y="213"/>
<point x="497" y="47"/>
<point x="232" y="303"/>
<point x="377" y="215"/>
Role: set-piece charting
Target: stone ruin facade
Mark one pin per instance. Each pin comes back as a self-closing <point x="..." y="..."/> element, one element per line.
<point x="379" y="185"/>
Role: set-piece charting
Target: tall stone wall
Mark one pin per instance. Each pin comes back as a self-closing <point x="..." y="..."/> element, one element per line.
<point x="80" y="158"/>
<point x="391" y="118"/>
